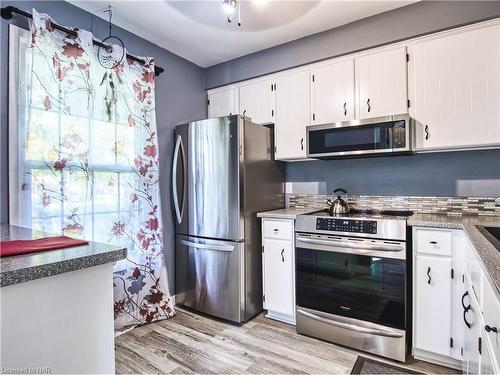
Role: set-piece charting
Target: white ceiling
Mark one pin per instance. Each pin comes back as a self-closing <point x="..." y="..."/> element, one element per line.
<point x="199" y="32"/>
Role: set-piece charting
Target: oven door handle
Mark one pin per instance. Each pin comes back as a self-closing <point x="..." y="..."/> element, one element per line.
<point x="352" y="327"/>
<point x="385" y="247"/>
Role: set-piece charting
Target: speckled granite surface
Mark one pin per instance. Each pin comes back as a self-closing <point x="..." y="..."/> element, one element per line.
<point x="18" y="269"/>
<point x="286" y="213"/>
<point x="488" y="254"/>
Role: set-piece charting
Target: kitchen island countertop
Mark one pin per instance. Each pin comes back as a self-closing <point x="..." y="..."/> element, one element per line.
<point x="21" y="268"/>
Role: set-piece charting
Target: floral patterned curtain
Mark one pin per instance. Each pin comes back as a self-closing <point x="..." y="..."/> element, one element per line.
<point x="89" y="155"/>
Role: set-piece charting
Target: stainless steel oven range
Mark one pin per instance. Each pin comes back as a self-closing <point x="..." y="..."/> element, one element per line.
<point x="351" y="280"/>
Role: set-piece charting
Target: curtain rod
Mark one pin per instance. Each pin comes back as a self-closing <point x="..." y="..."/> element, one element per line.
<point x="7" y="14"/>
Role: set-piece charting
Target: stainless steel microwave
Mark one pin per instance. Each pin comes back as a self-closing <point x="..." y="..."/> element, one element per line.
<point x="388" y="135"/>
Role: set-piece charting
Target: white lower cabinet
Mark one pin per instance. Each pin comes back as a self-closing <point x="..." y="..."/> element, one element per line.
<point x="471" y="327"/>
<point x="278" y="264"/>
<point x="455" y="308"/>
<point x="433" y="310"/>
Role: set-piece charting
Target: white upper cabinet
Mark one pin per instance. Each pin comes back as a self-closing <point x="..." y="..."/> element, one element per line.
<point x="333" y="92"/>
<point x="455" y="90"/>
<point x="257" y="101"/>
<point x="293" y="111"/>
<point x="223" y="102"/>
<point x="382" y="83"/>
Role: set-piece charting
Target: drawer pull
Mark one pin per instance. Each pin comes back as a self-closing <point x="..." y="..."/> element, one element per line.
<point x="276" y="230"/>
<point x="433" y="242"/>
<point x="490" y="329"/>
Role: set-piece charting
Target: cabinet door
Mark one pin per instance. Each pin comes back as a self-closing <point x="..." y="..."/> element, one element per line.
<point x="223" y="103"/>
<point x="424" y="92"/>
<point x="333" y="93"/>
<point x="472" y="331"/>
<point x="257" y="101"/>
<point x="455" y="90"/>
<point x="488" y="362"/>
<point x="382" y="83"/>
<point x="491" y="316"/>
<point x="293" y="110"/>
<point x="279" y="287"/>
<point x="433" y="288"/>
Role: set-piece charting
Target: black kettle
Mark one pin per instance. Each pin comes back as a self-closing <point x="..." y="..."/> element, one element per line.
<point x="339" y="205"/>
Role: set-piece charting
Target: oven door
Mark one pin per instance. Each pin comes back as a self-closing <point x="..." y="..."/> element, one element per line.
<point x="373" y="136"/>
<point x="362" y="279"/>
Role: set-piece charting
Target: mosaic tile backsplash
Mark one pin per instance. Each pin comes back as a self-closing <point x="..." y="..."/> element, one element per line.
<point x="452" y="206"/>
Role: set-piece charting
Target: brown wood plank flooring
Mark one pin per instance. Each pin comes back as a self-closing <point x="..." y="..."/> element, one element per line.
<point x="190" y="343"/>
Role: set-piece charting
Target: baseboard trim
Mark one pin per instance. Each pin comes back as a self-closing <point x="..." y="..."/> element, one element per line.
<point x="280" y="317"/>
<point x="436" y="359"/>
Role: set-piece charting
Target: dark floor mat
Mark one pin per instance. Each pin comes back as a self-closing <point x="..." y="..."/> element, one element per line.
<point x="369" y="366"/>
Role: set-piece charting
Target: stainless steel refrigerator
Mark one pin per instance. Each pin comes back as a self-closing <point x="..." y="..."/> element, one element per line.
<point x="223" y="173"/>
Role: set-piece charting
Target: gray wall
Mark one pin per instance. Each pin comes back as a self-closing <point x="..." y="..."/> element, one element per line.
<point x="180" y="97"/>
<point x="399" y="24"/>
<point x="457" y="173"/>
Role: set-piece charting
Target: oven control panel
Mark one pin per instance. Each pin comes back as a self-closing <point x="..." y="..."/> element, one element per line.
<point x="347" y="225"/>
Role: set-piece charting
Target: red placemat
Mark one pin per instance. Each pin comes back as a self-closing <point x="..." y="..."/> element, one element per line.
<point x="41" y="244"/>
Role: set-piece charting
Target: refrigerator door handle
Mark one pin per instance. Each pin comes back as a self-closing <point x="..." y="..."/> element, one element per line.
<point x="201" y="246"/>
<point x="179" y="209"/>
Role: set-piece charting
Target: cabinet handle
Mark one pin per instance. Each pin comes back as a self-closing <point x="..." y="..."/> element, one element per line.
<point x="302" y="143"/>
<point x="465" y="318"/>
<point x="345" y="109"/>
<point x="490" y="329"/>
<point x="282" y="256"/>
<point x="368" y="105"/>
<point x="429" y="275"/>
<point x="427" y="134"/>
<point x="230" y="113"/>
<point x="275" y="230"/>
<point x="463" y="303"/>
<point x="433" y="242"/>
<point x="244" y="112"/>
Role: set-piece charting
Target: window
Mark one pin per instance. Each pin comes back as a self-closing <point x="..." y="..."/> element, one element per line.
<point x="45" y="139"/>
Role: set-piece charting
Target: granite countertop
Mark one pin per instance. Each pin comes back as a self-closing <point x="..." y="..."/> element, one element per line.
<point x="488" y="254"/>
<point x="18" y="269"/>
<point x="286" y="213"/>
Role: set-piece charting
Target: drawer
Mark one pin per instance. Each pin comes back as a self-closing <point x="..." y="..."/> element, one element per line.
<point x="433" y="241"/>
<point x="491" y="316"/>
<point x="282" y="229"/>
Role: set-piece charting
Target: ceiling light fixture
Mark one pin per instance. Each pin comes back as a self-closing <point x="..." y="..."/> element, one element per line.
<point x="230" y="6"/>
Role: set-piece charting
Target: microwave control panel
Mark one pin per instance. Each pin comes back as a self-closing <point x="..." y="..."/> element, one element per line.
<point x="399" y="134"/>
<point x="347" y="225"/>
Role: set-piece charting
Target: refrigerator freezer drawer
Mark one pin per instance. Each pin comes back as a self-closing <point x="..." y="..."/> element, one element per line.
<point x="209" y="276"/>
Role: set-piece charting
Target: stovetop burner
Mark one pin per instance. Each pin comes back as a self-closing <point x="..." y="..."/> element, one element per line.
<point x="367" y="212"/>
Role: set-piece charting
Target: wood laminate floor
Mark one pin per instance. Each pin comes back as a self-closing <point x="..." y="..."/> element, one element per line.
<point x="190" y="343"/>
